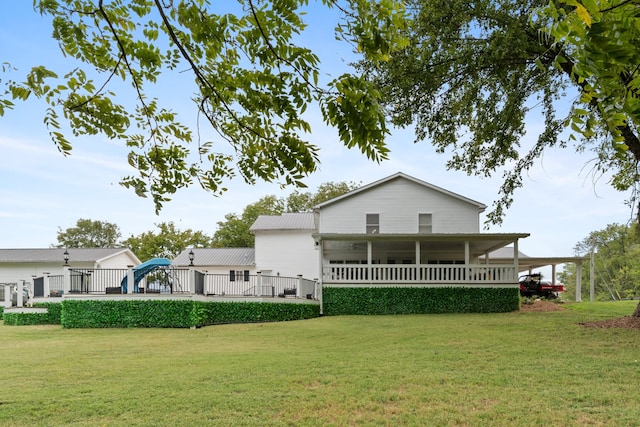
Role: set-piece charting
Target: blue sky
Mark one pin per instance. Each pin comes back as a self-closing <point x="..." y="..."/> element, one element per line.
<point x="41" y="190"/>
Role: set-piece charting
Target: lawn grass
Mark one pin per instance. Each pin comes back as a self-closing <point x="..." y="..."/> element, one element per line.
<point x="464" y="370"/>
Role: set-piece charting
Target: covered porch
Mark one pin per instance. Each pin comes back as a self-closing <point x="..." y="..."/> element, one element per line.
<point x="410" y="259"/>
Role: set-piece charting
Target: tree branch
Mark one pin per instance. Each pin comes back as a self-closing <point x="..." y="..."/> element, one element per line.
<point x="200" y="77"/>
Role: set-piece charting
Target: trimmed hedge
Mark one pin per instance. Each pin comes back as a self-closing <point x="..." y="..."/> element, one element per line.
<point x="209" y="313"/>
<point x="176" y="313"/>
<point x="127" y="313"/>
<point x="101" y="313"/>
<point x="51" y="317"/>
<point x="341" y="301"/>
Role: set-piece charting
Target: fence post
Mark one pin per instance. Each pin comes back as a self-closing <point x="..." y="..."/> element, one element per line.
<point x="191" y="286"/>
<point x="299" y="287"/>
<point x="259" y="284"/>
<point x="19" y="293"/>
<point x="130" y="279"/>
<point x="7" y="296"/>
<point x="66" y="280"/>
<point x="46" y="287"/>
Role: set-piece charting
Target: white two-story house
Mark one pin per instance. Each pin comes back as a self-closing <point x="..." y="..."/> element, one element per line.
<point x="401" y="230"/>
<point x="395" y="232"/>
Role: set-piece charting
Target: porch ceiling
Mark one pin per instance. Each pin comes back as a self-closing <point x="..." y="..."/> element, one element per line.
<point x="479" y="243"/>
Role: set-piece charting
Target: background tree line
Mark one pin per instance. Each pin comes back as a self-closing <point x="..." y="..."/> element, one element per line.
<point x="167" y="240"/>
<point x="616" y="251"/>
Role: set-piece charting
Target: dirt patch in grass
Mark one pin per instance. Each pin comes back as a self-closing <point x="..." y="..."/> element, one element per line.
<point x="541" y="306"/>
<point x="626" y="322"/>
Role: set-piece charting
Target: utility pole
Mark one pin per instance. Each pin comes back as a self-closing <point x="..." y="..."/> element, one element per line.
<point x="592" y="286"/>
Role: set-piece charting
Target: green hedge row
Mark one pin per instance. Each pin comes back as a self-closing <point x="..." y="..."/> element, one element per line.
<point x="227" y="312"/>
<point x="176" y="313"/>
<point x="127" y="313"/>
<point x="340" y="301"/>
<point x="51" y="317"/>
<point x="337" y="301"/>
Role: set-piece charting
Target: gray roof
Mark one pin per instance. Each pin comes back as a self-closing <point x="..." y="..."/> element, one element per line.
<point x="56" y="254"/>
<point x="506" y="252"/>
<point x="400" y="175"/>
<point x="217" y="256"/>
<point x="286" y="221"/>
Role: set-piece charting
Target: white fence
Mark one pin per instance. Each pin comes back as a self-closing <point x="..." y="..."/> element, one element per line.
<point x="259" y="285"/>
<point x="170" y="280"/>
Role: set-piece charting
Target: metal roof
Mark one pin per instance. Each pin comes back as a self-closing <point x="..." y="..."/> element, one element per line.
<point x="286" y="221"/>
<point x="56" y="254"/>
<point x="217" y="257"/>
<point x="506" y="252"/>
<point x="526" y="262"/>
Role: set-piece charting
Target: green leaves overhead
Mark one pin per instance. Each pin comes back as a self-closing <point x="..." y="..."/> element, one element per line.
<point x="467" y="80"/>
<point x="251" y="82"/>
<point x="597" y="44"/>
<point x="474" y="72"/>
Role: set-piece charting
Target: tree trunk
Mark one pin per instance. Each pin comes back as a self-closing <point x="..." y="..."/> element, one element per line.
<point x="636" y="312"/>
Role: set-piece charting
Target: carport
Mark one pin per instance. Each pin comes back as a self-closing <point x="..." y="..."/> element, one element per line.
<point x="528" y="264"/>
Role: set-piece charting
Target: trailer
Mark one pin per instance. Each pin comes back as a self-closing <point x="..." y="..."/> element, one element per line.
<point x="533" y="285"/>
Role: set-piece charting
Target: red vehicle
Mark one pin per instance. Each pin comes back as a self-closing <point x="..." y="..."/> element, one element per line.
<point x="533" y="285"/>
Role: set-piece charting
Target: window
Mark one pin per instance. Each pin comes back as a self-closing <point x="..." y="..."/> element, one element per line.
<point x="425" y="223"/>
<point x="238" y="275"/>
<point x="373" y="223"/>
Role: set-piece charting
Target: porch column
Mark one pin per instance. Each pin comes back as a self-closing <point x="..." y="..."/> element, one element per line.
<point x="516" y="261"/>
<point x="320" y="247"/>
<point x="466" y="252"/>
<point x="579" y="281"/>
<point x="468" y="274"/>
<point x="369" y="259"/>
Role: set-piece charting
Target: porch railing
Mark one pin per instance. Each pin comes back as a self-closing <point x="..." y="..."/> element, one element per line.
<point x="420" y="274"/>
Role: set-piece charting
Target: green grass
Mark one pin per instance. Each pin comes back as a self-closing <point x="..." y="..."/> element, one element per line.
<point x="464" y="370"/>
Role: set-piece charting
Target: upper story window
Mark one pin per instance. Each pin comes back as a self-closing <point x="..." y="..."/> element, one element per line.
<point x="373" y="223"/>
<point x="425" y="223"/>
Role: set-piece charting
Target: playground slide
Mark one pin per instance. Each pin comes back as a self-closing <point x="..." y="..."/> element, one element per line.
<point x="142" y="270"/>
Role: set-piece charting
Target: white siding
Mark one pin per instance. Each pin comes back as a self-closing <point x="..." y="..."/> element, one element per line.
<point x="398" y="202"/>
<point x="117" y="261"/>
<point x="287" y="252"/>
<point x="14" y="272"/>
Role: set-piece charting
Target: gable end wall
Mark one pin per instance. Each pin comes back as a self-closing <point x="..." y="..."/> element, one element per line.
<point x="398" y="203"/>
